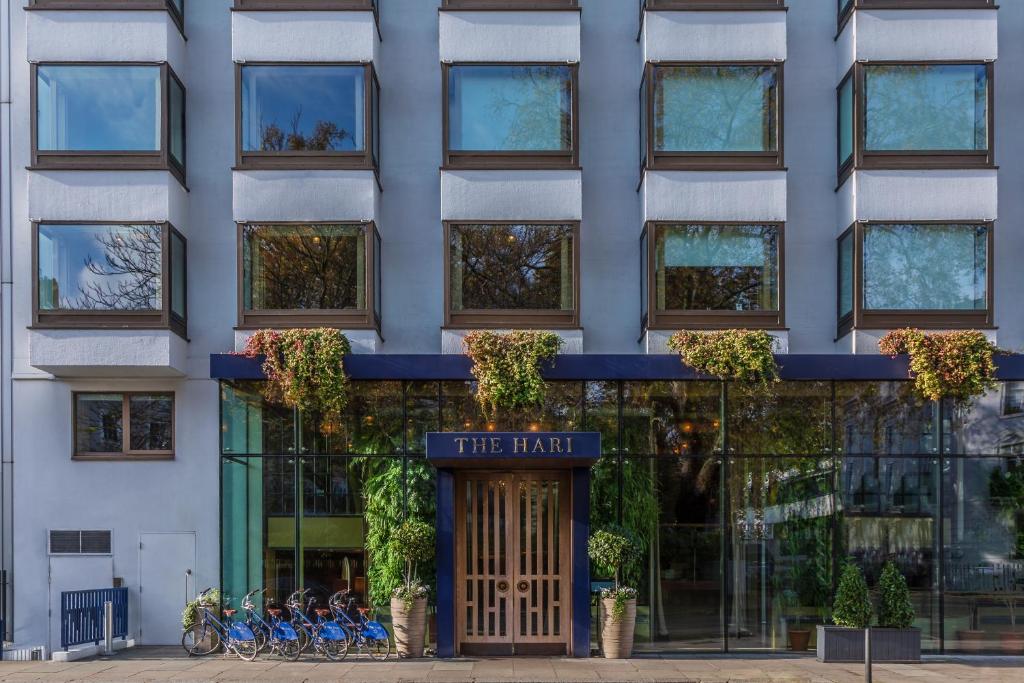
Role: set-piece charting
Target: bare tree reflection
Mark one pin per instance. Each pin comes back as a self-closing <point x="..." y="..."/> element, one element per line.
<point x="127" y="275"/>
<point x="325" y="136"/>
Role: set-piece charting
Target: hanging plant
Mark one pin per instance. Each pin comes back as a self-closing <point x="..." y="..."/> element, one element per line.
<point x="304" y="369"/>
<point x="957" y="365"/>
<point x="738" y="355"/>
<point x="507" y="367"/>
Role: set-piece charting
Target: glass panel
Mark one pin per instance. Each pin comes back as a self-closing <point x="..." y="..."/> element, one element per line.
<point x="176" y="115"/>
<point x="925" y="267"/>
<point x="795" y="418"/>
<point x="644" y="266"/>
<point x="378" y="292"/>
<point x="846" y="120"/>
<point x="371" y="424"/>
<point x="178" y="270"/>
<point x="717" y="267"/>
<point x="846" y="275"/>
<point x="98" y="108"/>
<point x="672" y="418"/>
<point x="304" y="267"/>
<point x="979" y="427"/>
<point x="1013" y="399"/>
<point x="375" y="119"/>
<point x="250" y="424"/>
<point x="715" y="109"/>
<point x="644" y="119"/>
<point x="511" y="267"/>
<point x="561" y="411"/>
<point x="510" y="108"/>
<point x="602" y="413"/>
<point x="926" y="107"/>
<point x="100" y="267"/>
<point x="151" y="419"/>
<point x="99" y="423"/>
<point x="884" y="418"/>
<point x="423" y="413"/>
<point x="179" y="5"/>
<point x="307" y="108"/>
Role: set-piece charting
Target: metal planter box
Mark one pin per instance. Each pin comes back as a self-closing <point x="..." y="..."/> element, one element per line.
<point x="838" y="644"/>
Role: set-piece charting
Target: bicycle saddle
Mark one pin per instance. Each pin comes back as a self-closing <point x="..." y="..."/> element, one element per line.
<point x="363" y="610"/>
<point x="274" y="611"/>
<point x="230" y="612"/>
<point x="322" y="612"/>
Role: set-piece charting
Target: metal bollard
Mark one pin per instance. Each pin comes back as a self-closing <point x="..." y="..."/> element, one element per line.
<point x="867" y="655"/>
<point x="108" y="629"/>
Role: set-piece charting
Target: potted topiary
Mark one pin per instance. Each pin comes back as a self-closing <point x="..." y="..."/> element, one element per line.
<point x="896" y="639"/>
<point x="851" y="613"/>
<point x="413" y="541"/>
<point x="611" y="550"/>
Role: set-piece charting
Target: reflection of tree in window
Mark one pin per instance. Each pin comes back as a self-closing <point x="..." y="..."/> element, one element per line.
<point x="99" y="423"/>
<point x="326" y="135"/>
<point x="151" y="421"/>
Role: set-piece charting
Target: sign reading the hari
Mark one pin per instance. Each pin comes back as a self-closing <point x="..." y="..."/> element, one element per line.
<point x="464" y="445"/>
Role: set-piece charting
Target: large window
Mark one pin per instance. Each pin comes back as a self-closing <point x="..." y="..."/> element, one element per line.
<point x="297" y="274"/>
<point x="714" y="275"/>
<point x="511" y="115"/>
<point x="712" y="116"/>
<point x="307" y="116"/>
<point x="116" y="425"/>
<point x="933" y="274"/>
<point x="114" y="275"/>
<point x="512" y="273"/>
<point x="108" y="116"/>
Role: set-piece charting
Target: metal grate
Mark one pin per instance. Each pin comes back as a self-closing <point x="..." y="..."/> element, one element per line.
<point x="80" y="542"/>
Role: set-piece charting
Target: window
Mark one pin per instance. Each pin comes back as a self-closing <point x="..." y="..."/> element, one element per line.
<point x="714" y="275"/>
<point x="115" y="425"/>
<point x="108" y="116"/>
<point x="511" y="116"/>
<point x="935" y="275"/>
<point x="176" y="8"/>
<point x="1013" y="400"/>
<point x="307" y="116"/>
<point x="712" y="116"/>
<point x="916" y="115"/>
<point x="110" y="275"/>
<point x="502" y="274"/>
<point x="298" y="274"/>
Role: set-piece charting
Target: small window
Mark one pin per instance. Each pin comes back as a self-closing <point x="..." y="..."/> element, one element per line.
<point x="306" y="116"/>
<point x="1013" y="399"/>
<point x="713" y="116"/>
<point x="108" y="116"/>
<point x="846" y="123"/>
<point x="302" y="274"/>
<point x="511" y="116"/>
<point x="124" y="425"/>
<point x="846" y="285"/>
<point x="110" y="275"/>
<point x="512" y="274"/>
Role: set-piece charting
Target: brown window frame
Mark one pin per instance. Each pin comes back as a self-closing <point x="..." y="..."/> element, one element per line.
<point x="115" y="5"/>
<point x="510" y="5"/>
<point x="862" y="318"/>
<point x="113" y="160"/>
<point x="515" y="318"/>
<point x="912" y="160"/>
<point x="713" y="5"/>
<point x="708" y="320"/>
<point x="710" y="161"/>
<point x="314" y="160"/>
<point x="126" y="453"/>
<point x="164" y="319"/>
<point x="511" y="160"/>
<point x="367" y="318"/>
<point x="313" y="5"/>
<point x="847" y="12"/>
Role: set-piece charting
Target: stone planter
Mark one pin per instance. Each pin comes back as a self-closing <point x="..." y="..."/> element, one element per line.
<point x="617" y="634"/>
<point x="1012" y="642"/>
<point x="972" y="641"/>
<point x="799" y="639"/>
<point x="838" y="644"/>
<point x="410" y="627"/>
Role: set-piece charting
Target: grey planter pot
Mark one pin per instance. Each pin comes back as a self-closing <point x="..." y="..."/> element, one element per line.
<point x="838" y="644"/>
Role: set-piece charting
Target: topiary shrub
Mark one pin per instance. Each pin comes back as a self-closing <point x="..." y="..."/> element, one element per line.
<point x="852" y="606"/>
<point x="895" y="610"/>
<point x="957" y="365"/>
<point x="737" y="355"/>
<point x="611" y="550"/>
<point x="413" y="541"/>
<point x="507" y="367"/>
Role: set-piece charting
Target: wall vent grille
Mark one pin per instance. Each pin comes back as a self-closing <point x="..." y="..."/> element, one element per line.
<point x="80" y="542"/>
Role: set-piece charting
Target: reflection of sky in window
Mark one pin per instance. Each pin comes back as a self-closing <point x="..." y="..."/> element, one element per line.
<point x="498" y="108"/>
<point x="97" y="108"/>
<point x="298" y="99"/>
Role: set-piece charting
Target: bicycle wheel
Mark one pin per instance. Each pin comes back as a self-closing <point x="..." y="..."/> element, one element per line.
<point x="305" y="639"/>
<point x="261" y="637"/>
<point x="201" y="640"/>
<point x="245" y="649"/>
<point x="378" y="649"/>
<point x="289" y="649"/>
<point x="335" y="650"/>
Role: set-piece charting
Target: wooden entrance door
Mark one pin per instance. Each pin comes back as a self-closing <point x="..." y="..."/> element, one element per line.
<point x="512" y="562"/>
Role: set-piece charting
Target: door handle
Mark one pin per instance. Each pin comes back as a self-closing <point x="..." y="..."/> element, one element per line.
<point x="523" y="586"/>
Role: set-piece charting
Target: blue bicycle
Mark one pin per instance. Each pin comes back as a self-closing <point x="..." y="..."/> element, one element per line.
<point x="209" y="634"/>
<point x="260" y="628"/>
<point x="328" y="636"/>
<point x="364" y="633"/>
<point x="283" y="641"/>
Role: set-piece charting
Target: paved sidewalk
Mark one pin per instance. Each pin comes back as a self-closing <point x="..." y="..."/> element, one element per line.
<point x="162" y="664"/>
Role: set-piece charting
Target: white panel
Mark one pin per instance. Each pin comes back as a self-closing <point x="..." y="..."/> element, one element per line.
<point x="846" y="50"/>
<point x="108" y="353"/>
<point x="104" y="36"/>
<point x="107" y="196"/>
<point x="865" y="342"/>
<point x="926" y="195"/>
<point x="303" y="36"/>
<point x="451" y="341"/>
<point x="656" y="341"/>
<point x="846" y="205"/>
<point x="923" y="35"/>
<point x="714" y="195"/>
<point x="510" y="36"/>
<point x="305" y="196"/>
<point x="512" y="195"/>
<point x="712" y="36"/>
<point x="362" y="341"/>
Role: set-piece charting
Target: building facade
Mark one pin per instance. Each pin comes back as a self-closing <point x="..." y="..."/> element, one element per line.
<point x="182" y="174"/>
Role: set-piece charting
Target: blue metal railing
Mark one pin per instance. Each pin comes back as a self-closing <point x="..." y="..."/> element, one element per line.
<point x="81" y="615"/>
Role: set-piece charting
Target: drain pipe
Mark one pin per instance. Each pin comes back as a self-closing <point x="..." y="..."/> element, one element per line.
<point x="6" y="329"/>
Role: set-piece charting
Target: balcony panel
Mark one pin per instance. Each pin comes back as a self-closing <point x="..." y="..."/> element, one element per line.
<point x="305" y="196"/>
<point x="362" y="341"/>
<point x="510" y="36"/>
<point x="714" y="196"/>
<point x="108" y="353"/>
<point x="714" y="36"/>
<point x="919" y="196"/>
<point x="107" y="196"/>
<point x="301" y="36"/>
<point x="511" y="195"/>
<point x="451" y="341"/>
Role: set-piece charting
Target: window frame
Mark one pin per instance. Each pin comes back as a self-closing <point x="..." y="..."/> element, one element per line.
<point x="164" y="319"/>
<point x="505" y="318"/>
<point x="313" y="160"/>
<point x="117" y="5"/>
<point x="845" y="13"/>
<point x="113" y="160"/>
<point x="723" y="5"/>
<point x="510" y="160"/>
<point x="912" y="159"/>
<point x="126" y="453"/>
<point x="365" y="318"/>
<point x="709" y="320"/>
<point x="510" y="5"/>
<point x="884" y="319"/>
<point x="652" y="160"/>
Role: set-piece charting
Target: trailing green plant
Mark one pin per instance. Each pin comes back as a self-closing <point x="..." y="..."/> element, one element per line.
<point x="190" y="615"/>
<point x="895" y="610"/>
<point x="736" y="355"/>
<point x="611" y="549"/>
<point x="413" y="541"/>
<point x="507" y="367"/>
<point x="304" y="368"/>
<point x="852" y="606"/>
<point x="958" y="365"/>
